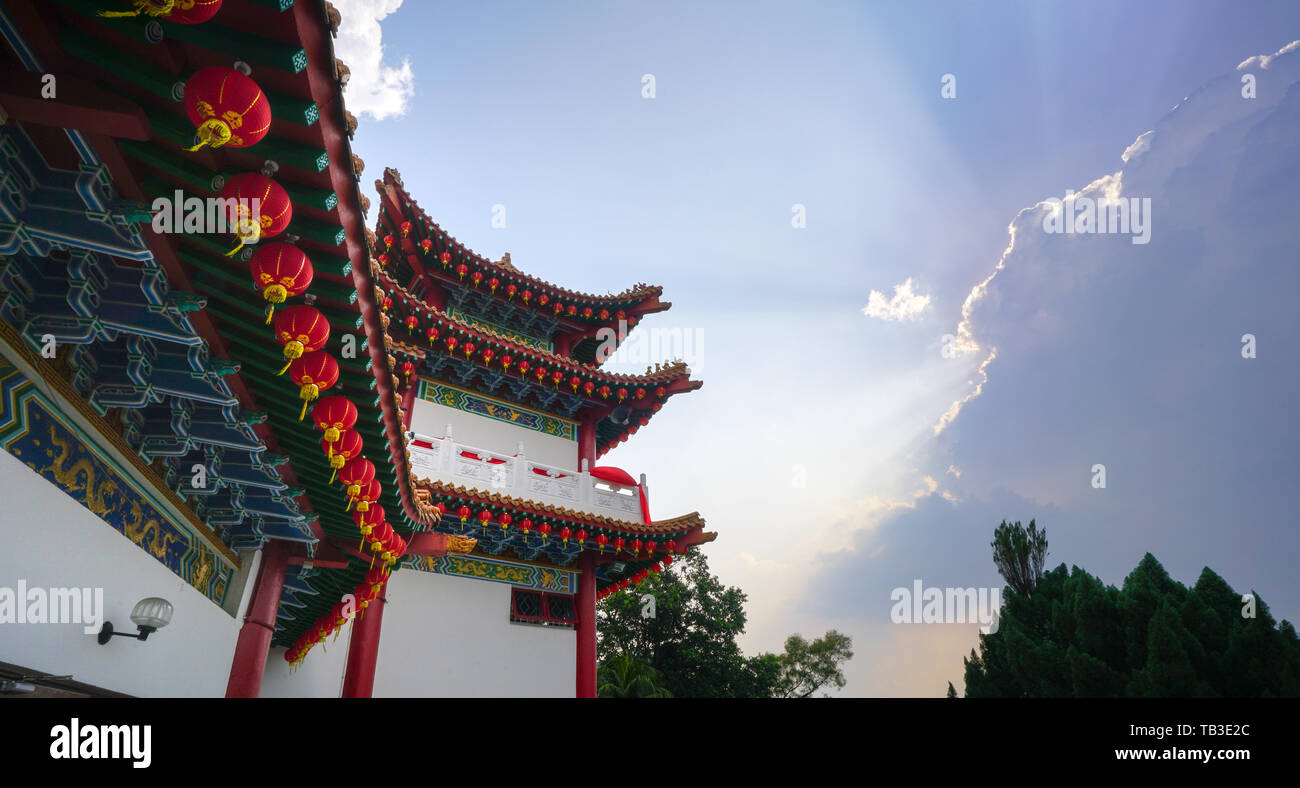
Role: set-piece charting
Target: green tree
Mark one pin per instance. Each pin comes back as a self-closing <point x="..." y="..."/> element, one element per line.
<point x="1019" y="553"/>
<point x="691" y="640"/>
<point x="625" y="676"/>
<point x="807" y="667"/>
<point x="1153" y="637"/>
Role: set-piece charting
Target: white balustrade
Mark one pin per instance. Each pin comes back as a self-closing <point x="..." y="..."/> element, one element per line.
<point x="447" y="460"/>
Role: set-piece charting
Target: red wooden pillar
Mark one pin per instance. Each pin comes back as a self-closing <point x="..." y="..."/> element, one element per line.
<point x="363" y="649"/>
<point x="585" y="601"/>
<point x="408" y="402"/>
<point x="587" y="439"/>
<point x="259" y="623"/>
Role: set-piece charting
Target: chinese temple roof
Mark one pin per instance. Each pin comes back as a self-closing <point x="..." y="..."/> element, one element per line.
<point x="414" y="245"/>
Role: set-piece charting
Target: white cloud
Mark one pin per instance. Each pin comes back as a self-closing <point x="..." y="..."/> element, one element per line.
<point x="905" y="305"/>
<point x="374" y="89"/>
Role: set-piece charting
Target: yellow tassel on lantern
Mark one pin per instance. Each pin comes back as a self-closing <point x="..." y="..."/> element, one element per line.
<point x="142" y="7"/>
<point x="275" y="294"/>
<point x="213" y="132"/>
<point x="247" y="233"/>
<point x="308" y="392"/>
<point x="293" y="350"/>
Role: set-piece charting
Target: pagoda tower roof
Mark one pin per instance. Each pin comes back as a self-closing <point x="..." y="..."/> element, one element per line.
<point x="411" y="246"/>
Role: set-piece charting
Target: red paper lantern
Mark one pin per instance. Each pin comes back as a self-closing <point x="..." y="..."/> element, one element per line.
<point x="544" y="529"/>
<point x="356" y="475"/>
<point x="525" y="525"/>
<point x="573" y="383"/>
<point x="426" y="245"/>
<point x="279" y="271"/>
<point x="461" y="270"/>
<point x="622" y="394"/>
<point x="636" y="547"/>
<point x="451" y="343"/>
<point x="468" y="349"/>
<point x="586" y="313"/>
<point x="588" y="387"/>
<point x="370" y="492"/>
<point x="261" y="207"/>
<point x="556" y="377"/>
<point x="301" y="329"/>
<point x="671" y="546"/>
<point x="432" y="334"/>
<point x="384" y="259"/>
<point x="581" y="536"/>
<point x="649" y="548"/>
<point x="226" y="108"/>
<point x="565" y="533"/>
<point x="523" y="368"/>
<point x="313" y="372"/>
<point x="332" y="415"/>
<point x="640" y="393"/>
<point x="506" y="361"/>
<point x="476" y="278"/>
<point x="510" y="291"/>
<point x="505" y="519"/>
<point x="368" y="519"/>
<point x="543" y="299"/>
<point x="406" y="229"/>
<point x="388" y="242"/>
<point x="540" y="372"/>
<point x="618" y="544"/>
<point x="445" y="259"/>
<point x="668" y="559"/>
<point x="604" y="314"/>
<point x="463" y="513"/>
<point x="526" y="295"/>
<point x="386" y="304"/>
<point x="601" y="541"/>
<point x="604" y="392"/>
<point x="487" y="356"/>
<point x="558" y="307"/>
<point x="571" y="310"/>
<point x="348" y="446"/>
<point x="184" y="12"/>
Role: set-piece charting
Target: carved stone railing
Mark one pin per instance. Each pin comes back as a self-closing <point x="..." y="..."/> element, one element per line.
<point x="446" y="460"/>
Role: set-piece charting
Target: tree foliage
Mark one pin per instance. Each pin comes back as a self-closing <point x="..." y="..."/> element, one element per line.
<point x="1019" y="554"/>
<point x="1154" y="637"/>
<point x="625" y="676"/>
<point x="807" y="667"/>
<point x="691" y="641"/>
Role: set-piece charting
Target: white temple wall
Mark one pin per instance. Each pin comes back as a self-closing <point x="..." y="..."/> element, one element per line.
<point x="49" y="540"/>
<point x="431" y="418"/>
<point x="446" y="636"/>
<point x="319" y="676"/>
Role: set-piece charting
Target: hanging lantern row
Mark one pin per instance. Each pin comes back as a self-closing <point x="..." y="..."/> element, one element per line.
<point x="601" y="539"/>
<point x="573" y="377"/>
<point x="332" y="622"/>
<point x="476" y="276"/>
<point x="636" y="579"/>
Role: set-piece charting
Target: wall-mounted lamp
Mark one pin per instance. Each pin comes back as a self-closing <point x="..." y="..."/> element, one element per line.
<point x="149" y="615"/>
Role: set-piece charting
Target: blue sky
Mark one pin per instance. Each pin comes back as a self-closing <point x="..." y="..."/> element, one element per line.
<point x="811" y="448"/>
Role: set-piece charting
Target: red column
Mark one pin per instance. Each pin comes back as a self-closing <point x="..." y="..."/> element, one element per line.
<point x="562" y="344"/>
<point x="259" y="623"/>
<point x="363" y="650"/>
<point x="585" y="601"/>
<point x="587" y="439"/>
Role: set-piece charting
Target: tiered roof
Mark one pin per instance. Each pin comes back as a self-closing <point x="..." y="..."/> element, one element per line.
<point x="139" y="67"/>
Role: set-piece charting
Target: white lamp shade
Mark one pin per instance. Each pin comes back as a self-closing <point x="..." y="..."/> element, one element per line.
<point x="153" y="611"/>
